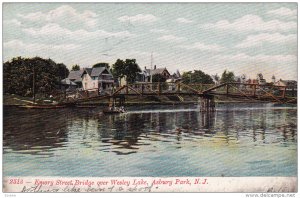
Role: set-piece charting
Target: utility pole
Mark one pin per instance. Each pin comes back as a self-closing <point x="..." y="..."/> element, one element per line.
<point x="33" y="84"/>
<point x="150" y="70"/>
<point x="151" y="66"/>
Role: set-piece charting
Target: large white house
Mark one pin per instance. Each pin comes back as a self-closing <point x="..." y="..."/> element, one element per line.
<point x="97" y="78"/>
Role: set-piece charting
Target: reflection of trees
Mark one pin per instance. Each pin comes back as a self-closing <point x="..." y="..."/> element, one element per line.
<point x="35" y="130"/>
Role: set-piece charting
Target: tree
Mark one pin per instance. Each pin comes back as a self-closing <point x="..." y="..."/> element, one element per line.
<point x="75" y="68"/>
<point x="197" y="76"/>
<point x="18" y="75"/>
<point x="101" y="65"/>
<point x="227" y="77"/>
<point x="118" y="69"/>
<point x="131" y="70"/>
<point x="127" y="68"/>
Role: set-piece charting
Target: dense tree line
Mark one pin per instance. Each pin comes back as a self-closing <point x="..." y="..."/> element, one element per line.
<point x="19" y="76"/>
<point x="197" y="76"/>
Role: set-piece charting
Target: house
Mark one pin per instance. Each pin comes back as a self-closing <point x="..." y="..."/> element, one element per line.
<point x="97" y="78"/>
<point x="261" y="79"/>
<point x="175" y="77"/>
<point x="290" y="84"/>
<point x="160" y="71"/>
<point x="252" y="81"/>
<point x="68" y="85"/>
<point x="75" y="77"/>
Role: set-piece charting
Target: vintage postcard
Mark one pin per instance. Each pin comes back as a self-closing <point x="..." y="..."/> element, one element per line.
<point x="150" y="97"/>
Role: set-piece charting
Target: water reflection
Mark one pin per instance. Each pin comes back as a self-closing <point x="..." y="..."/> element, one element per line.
<point x="41" y="132"/>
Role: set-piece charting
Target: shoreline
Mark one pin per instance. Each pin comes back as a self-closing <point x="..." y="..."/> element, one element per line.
<point x="101" y="104"/>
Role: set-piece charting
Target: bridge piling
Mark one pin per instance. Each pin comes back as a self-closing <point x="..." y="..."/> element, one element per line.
<point x="207" y="104"/>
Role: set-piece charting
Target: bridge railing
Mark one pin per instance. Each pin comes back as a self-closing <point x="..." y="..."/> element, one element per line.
<point x="165" y="87"/>
<point x="157" y="88"/>
<point x="258" y="90"/>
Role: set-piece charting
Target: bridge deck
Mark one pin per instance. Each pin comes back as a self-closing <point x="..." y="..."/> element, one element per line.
<point x="277" y="94"/>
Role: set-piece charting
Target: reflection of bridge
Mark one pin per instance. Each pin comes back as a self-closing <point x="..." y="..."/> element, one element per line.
<point x="207" y="92"/>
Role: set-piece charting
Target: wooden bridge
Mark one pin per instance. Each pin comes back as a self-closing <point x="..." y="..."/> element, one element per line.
<point x="206" y="92"/>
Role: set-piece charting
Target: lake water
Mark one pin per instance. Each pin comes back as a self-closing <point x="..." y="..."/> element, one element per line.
<point x="236" y="140"/>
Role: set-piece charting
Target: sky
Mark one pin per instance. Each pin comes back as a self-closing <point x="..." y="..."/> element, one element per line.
<point x="246" y="38"/>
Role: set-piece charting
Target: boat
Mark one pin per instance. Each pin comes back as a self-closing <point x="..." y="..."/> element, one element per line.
<point x="42" y="106"/>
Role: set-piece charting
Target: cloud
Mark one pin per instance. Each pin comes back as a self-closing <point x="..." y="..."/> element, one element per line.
<point x="163" y="31"/>
<point x="203" y="47"/>
<point x="183" y="20"/>
<point x="14" y="22"/>
<point x="140" y="18"/>
<point x="242" y="57"/>
<point x="54" y="30"/>
<point x="171" y="38"/>
<point x="65" y="14"/>
<point x="251" y="23"/>
<point x="282" y="66"/>
<point x="259" y="39"/>
<point x="284" y="12"/>
<point x="37" y="47"/>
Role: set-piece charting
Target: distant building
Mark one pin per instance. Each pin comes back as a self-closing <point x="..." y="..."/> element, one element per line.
<point x="75" y="76"/>
<point x="151" y="72"/>
<point x="97" y="78"/>
<point x="260" y="79"/>
<point x="175" y="77"/>
<point x="252" y="81"/>
<point x="73" y="81"/>
<point x="290" y="84"/>
<point x="273" y="79"/>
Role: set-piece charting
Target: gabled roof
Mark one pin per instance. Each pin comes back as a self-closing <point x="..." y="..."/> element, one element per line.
<point x="76" y="75"/>
<point x="96" y="71"/>
<point x="88" y="70"/>
<point x="157" y="71"/>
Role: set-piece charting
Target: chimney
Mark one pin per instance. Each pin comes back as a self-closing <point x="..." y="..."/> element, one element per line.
<point x="154" y="66"/>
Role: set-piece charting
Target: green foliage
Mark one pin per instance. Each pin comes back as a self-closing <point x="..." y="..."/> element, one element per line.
<point x="128" y="68"/>
<point x="227" y="76"/>
<point x="101" y="65"/>
<point x="75" y="68"/>
<point x="118" y="68"/>
<point x="197" y="76"/>
<point x="18" y="75"/>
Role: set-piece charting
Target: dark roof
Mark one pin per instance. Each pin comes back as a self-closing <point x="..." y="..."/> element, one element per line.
<point x="97" y="71"/>
<point x="76" y="75"/>
<point x="88" y="70"/>
<point x="156" y="71"/>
